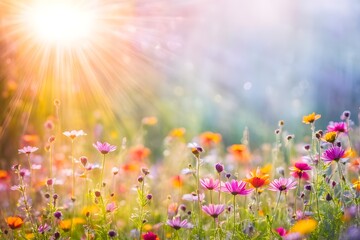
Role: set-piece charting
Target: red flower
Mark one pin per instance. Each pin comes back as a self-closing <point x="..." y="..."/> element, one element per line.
<point x="298" y="171"/>
<point x="150" y="236"/>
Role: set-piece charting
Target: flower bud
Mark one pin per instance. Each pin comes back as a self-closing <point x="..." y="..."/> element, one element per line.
<point x="83" y="160"/>
<point x="97" y="193"/>
<point x="50" y="182"/>
<point x="219" y="167"/>
<point x="328" y="197"/>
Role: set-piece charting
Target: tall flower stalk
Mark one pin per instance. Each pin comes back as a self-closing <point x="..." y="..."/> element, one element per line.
<point x="28" y="150"/>
<point x="236" y="188"/>
<point x="196" y="150"/>
<point x="104" y="148"/>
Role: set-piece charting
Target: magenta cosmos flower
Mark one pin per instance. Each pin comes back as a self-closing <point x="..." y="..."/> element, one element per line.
<point x="339" y="127"/>
<point x="28" y="150"/>
<point x="214" y="210"/>
<point x="176" y="223"/>
<point x="282" y="184"/>
<point x="210" y="183"/>
<point x="74" y="134"/>
<point x="104" y="148"/>
<point x="333" y="154"/>
<point x="237" y="187"/>
<point x="150" y="236"/>
<point x="299" y="170"/>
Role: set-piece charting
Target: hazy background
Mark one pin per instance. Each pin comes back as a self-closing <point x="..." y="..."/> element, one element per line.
<point x="202" y="65"/>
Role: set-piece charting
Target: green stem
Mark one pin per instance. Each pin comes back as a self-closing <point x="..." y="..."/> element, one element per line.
<point x="31" y="174"/>
<point x="141" y="208"/>
<point x="102" y="170"/>
<point x="277" y="204"/>
<point x="341" y="177"/>
<point x="219" y="188"/>
<point x="234" y="202"/>
<point x="198" y="192"/>
<point x="317" y="182"/>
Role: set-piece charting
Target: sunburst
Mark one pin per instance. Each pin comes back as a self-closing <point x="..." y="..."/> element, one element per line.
<point x="84" y="53"/>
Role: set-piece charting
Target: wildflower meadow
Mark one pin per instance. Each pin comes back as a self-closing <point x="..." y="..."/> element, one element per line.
<point x="69" y="187"/>
<point x="179" y="120"/>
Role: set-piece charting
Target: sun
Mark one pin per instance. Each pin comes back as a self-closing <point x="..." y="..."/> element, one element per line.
<point x="60" y="22"/>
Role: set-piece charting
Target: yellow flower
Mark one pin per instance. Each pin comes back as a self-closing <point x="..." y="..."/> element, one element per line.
<point x="266" y="169"/>
<point x="65" y="225"/>
<point x="349" y="153"/>
<point x="311" y="118"/>
<point x="147" y="227"/>
<point x="356" y="184"/>
<point x="304" y="226"/>
<point x="330" y="137"/>
<point x="91" y="209"/>
<point x="29" y="236"/>
<point x="177" y="133"/>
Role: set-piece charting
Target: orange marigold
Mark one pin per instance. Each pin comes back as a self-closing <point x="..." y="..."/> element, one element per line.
<point x="257" y="179"/>
<point x="14" y="222"/>
<point x="239" y="152"/>
<point x="209" y="139"/>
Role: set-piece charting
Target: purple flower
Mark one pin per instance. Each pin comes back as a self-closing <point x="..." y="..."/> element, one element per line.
<point x="219" y="167"/>
<point x="44" y="228"/>
<point x="237" y="187"/>
<point x="214" y="210"/>
<point x="282" y="184"/>
<point x="176" y="223"/>
<point x="334" y="153"/>
<point x="339" y="127"/>
<point x="28" y="150"/>
<point x="210" y="183"/>
<point x="104" y="148"/>
<point x="110" y="207"/>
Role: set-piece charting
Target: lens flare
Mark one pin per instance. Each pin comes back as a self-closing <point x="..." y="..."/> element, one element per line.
<point x="60" y="22"/>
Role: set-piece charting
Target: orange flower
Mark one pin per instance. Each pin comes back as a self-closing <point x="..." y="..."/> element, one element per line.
<point x="304" y="226"/>
<point x="257" y="179"/>
<point x="239" y="152"/>
<point x="356" y="184"/>
<point x="355" y="165"/>
<point x="131" y="167"/>
<point x="349" y="153"/>
<point x="3" y="175"/>
<point x="177" y="133"/>
<point x="311" y="118"/>
<point x="139" y="153"/>
<point x="177" y="181"/>
<point x="209" y="139"/>
<point x="14" y="222"/>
